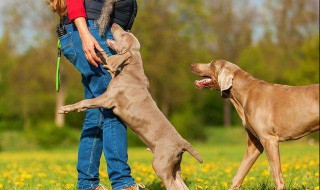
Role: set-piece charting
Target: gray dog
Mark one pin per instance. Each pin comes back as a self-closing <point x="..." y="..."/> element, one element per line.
<point x="270" y="113"/>
<point x="130" y="99"/>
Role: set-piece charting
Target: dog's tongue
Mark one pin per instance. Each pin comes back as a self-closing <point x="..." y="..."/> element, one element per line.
<point x="203" y="82"/>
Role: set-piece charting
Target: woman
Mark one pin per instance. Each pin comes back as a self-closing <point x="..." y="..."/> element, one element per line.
<point x="87" y="28"/>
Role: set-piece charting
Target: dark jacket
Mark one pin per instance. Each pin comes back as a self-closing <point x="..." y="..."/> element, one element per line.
<point x="124" y="12"/>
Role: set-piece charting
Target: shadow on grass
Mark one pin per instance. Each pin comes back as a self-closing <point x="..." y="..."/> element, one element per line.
<point x="159" y="186"/>
<point x="154" y="186"/>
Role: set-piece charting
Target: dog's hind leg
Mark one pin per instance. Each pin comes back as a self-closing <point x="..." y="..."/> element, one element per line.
<point x="177" y="176"/>
<point x="254" y="150"/>
<point x="99" y="102"/>
<point x="163" y="165"/>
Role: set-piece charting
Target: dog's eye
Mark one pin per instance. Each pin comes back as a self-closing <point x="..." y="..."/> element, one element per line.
<point x="123" y="34"/>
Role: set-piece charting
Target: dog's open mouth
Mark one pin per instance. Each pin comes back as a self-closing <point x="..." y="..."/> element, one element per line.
<point x="206" y="82"/>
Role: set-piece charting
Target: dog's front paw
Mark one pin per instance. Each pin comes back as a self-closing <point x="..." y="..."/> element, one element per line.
<point x="65" y="109"/>
<point x="234" y="188"/>
<point x="81" y="109"/>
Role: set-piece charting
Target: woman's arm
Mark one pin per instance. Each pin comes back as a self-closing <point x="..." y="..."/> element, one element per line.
<point x="75" y="10"/>
<point x="89" y="43"/>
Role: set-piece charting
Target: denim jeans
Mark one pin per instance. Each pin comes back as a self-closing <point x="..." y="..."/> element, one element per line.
<point x="102" y="130"/>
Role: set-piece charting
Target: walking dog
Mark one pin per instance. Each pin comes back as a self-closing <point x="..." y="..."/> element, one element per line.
<point x="270" y="113"/>
<point x="130" y="99"/>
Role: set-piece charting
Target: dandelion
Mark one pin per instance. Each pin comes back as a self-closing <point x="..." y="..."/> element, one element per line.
<point x="26" y="176"/>
<point x="5" y="174"/>
<point x="138" y="179"/>
<point x="42" y="175"/>
<point x="69" y="186"/>
<point x="224" y="184"/>
<point x="199" y="180"/>
<point x="53" y="173"/>
<point x="312" y="163"/>
<point x="265" y="173"/>
<point x="19" y="184"/>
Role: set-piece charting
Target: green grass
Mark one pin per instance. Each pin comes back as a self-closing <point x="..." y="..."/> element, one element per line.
<point x="55" y="169"/>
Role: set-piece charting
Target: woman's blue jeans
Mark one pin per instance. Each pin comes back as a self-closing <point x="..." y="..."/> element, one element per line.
<point x="102" y="130"/>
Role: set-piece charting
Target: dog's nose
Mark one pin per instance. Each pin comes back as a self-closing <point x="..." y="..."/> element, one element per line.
<point x="192" y="66"/>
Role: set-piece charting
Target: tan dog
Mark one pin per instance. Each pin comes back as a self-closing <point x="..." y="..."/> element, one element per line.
<point x="130" y="99"/>
<point x="270" y="113"/>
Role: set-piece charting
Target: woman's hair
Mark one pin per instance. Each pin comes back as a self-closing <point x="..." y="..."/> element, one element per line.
<point x="58" y="6"/>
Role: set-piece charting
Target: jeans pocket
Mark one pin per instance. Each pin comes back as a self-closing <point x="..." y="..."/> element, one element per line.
<point x="67" y="47"/>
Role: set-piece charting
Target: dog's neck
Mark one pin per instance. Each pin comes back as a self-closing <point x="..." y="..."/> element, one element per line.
<point x="134" y="68"/>
<point x="242" y="83"/>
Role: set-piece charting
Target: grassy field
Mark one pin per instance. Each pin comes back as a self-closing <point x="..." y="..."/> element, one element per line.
<point x="55" y="169"/>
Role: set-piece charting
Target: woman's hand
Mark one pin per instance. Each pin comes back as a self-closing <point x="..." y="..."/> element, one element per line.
<point x="89" y="43"/>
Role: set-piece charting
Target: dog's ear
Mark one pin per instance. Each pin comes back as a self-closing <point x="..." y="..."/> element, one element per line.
<point x="225" y="79"/>
<point x="116" y="61"/>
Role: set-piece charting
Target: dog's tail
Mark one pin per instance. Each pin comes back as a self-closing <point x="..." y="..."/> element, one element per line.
<point x="188" y="147"/>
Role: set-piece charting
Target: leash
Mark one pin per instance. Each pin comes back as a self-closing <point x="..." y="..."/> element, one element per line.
<point x="58" y="66"/>
<point x="61" y="30"/>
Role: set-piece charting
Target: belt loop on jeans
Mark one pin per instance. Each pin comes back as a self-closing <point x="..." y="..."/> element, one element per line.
<point x="92" y="23"/>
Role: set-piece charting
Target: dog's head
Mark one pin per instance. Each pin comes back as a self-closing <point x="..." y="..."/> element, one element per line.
<point x="217" y="75"/>
<point x="125" y="44"/>
<point x="123" y="41"/>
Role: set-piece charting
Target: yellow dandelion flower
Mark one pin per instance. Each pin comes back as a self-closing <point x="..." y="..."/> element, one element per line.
<point x="199" y="180"/>
<point x="151" y="177"/>
<point x="265" y="172"/>
<point x="69" y="186"/>
<point x="225" y="184"/>
<point x="5" y="174"/>
<point x="204" y="170"/>
<point x="26" y="176"/>
<point x="138" y="179"/>
<point x="228" y="170"/>
<point x="42" y="175"/>
<point x="19" y="184"/>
